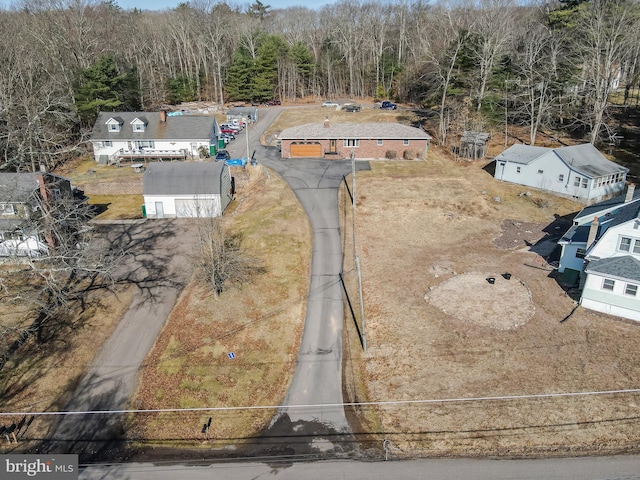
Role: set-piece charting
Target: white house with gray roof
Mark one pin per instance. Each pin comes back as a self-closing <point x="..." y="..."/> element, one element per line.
<point x="365" y="140"/>
<point x="579" y="172"/>
<point x="602" y="249"/>
<point x="24" y="197"/>
<point x="611" y="286"/>
<point x="186" y="189"/>
<point x="141" y="136"/>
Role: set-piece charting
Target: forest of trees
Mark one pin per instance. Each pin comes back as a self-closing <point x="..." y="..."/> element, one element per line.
<point x="540" y="64"/>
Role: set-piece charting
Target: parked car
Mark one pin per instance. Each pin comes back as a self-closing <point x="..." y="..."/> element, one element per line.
<point x="273" y="102"/>
<point x="230" y="136"/>
<point x="351" y="108"/>
<point x="222" y="155"/>
<point x="386" y="105"/>
<point x="228" y="130"/>
<point x="330" y="104"/>
<point x="233" y="126"/>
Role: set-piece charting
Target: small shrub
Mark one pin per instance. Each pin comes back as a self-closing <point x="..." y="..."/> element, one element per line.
<point x="408" y="155"/>
<point x="391" y="154"/>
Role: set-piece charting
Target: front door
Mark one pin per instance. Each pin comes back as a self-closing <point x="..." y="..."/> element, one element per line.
<point x="332" y="146"/>
<point x="159" y="210"/>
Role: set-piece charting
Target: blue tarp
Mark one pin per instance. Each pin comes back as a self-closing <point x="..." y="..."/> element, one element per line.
<point x="236" y="162"/>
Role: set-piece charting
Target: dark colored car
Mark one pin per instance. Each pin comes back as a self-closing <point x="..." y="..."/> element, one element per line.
<point x="273" y="102"/>
<point x="386" y="105"/>
<point x="351" y="108"/>
<point x="222" y="155"/>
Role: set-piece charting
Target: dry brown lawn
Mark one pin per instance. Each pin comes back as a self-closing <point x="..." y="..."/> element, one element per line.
<point x="260" y="324"/>
<point x="428" y="235"/>
<point x="43" y="373"/>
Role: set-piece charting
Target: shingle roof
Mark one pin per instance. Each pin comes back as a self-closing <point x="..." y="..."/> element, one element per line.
<point x="180" y="178"/>
<point x="584" y="159"/>
<point x="17" y="187"/>
<point x="576" y="234"/>
<point x="588" y="160"/>
<point x="523" y="154"/>
<point x="180" y="127"/>
<point x="606" y="205"/>
<point x="626" y="267"/>
<point x="373" y="130"/>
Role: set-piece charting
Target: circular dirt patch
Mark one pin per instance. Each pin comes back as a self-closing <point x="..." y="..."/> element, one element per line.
<point x="472" y="297"/>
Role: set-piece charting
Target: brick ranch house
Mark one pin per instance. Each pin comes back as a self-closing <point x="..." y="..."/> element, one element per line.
<point x="365" y="140"/>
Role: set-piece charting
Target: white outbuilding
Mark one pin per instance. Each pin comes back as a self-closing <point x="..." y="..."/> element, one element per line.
<point x="187" y="189"/>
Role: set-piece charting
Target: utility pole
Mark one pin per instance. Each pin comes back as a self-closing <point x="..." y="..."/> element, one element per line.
<point x="355" y="255"/>
<point x="247" y="136"/>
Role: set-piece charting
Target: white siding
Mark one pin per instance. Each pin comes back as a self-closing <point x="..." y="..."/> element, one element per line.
<point x="568" y="257"/>
<point x="613" y="302"/>
<point x="191" y="147"/>
<point x="608" y="244"/>
<point x="548" y="172"/>
<point x="184" y="205"/>
<point x="550" y="166"/>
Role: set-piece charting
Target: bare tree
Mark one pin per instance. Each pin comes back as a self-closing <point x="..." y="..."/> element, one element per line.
<point x="220" y="260"/>
<point x="444" y="38"/>
<point x="602" y="34"/>
<point x="537" y="75"/>
<point x="71" y="267"/>
<point x="493" y="28"/>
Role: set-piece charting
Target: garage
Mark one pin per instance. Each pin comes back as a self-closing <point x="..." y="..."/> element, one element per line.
<point x="306" y="149"/>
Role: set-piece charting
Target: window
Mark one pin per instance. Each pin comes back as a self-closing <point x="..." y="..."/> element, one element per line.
<point x="405" y="142"/>
<point x="581" y="253"/>
<point x="561" y="177"/>
<point x="351" y="142"/>
<point x="608" y="284"/>
<point x="625" y="244"/>
<point x="7" y="209"/>
<point x="380" y="142"/>
<point x="585" y="182"/>
<point x="138" y="127"/>
<point x="636" y="246"/>
<point x="540" y="171"/>
<point x="144" y="144"/>
<point x="108" y="143"/>
<point x="114" y="127"/>
<point x="631" y="289"/>
<point x="517" y="169"/>
<point x="576" y="182"/>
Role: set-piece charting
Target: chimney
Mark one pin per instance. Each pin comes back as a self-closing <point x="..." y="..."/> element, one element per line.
<point x="326" y="122"/>
<point x="593" y="231"/>
<point x="163" y="116"/>
<point x="631" y="188"/>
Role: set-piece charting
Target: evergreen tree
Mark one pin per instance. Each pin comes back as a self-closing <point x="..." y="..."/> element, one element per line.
<point x="181" y="89"/>
<point x="239" y="79"/>
<point x="265" y="78"/>
<point x="103" y="88"/>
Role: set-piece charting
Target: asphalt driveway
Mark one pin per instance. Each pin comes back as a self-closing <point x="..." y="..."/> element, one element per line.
<point x="158" y="266"/>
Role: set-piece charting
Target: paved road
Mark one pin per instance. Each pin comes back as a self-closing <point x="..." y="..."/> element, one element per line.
<point x="318" y="376"/>
<point x="158" y="267"/>
<point x="586" y="468"/>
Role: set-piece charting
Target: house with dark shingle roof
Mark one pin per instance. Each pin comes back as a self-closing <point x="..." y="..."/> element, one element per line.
<point x="141" y="136"/>
<point x="23" y="198"/>
<point x="365" y="140"/>
<point x="579" y="172"/>
<point x="602" y="249"/>
<point x="186" y="189"/>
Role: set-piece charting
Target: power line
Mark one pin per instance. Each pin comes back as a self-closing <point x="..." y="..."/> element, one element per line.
<point x="326" y="405"/>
